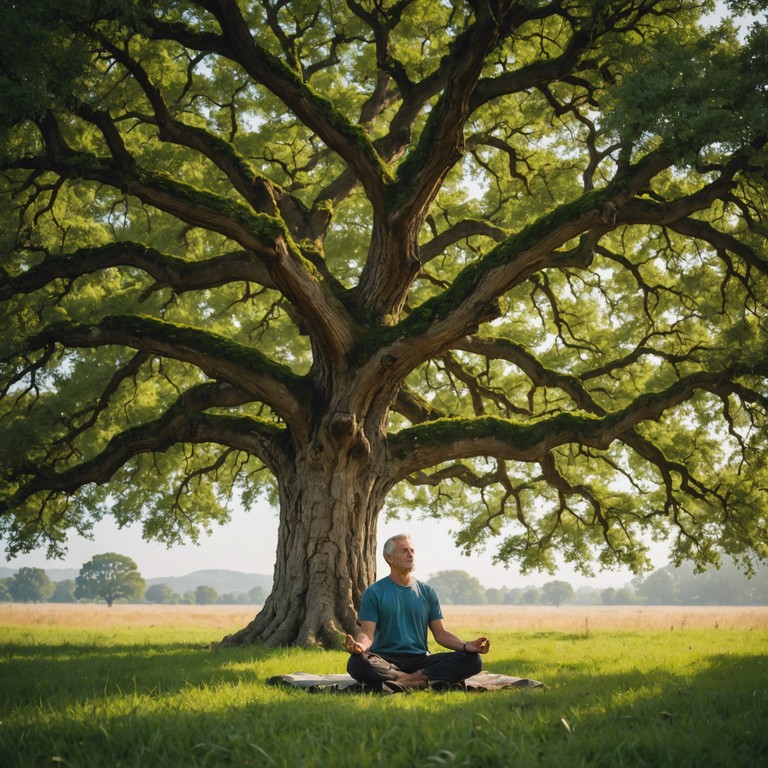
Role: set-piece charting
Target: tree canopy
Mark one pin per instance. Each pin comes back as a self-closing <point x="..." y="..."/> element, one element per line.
<point x="458" y="588"/>
<point x="498" y="261"/>
<point x="31" y="585"/>
<point x="109" y="577"/>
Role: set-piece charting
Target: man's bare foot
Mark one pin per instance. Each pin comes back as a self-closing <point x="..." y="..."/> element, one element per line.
<point x="413" y="679"/>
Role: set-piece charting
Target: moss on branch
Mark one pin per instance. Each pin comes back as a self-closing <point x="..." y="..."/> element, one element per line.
<point x="266" y="228"/>
<point x="587" y="209"/>
<point x="143" y="183"/>
<point x="204" y="342"/>
<point x="177" y="425"/>
<point x="527" y="441"/>
<point x="440" y="307"/>
<point x="521" y="438"/>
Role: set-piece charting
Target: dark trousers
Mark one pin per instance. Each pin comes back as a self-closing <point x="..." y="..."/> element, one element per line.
<point x="450" y="667"/>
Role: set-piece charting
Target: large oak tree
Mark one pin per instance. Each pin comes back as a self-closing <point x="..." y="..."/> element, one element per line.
<point x="498" y="261"/>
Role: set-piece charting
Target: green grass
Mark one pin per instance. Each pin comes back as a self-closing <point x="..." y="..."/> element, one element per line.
<point x="159" y="697"/>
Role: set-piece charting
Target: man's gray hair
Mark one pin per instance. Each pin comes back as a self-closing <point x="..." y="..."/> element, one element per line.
<point x="389" y="544"/>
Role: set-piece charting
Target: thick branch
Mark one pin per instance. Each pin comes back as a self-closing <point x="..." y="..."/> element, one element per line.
<point x="414" y="408"/>
<point x="473" y="297"/>
<point x="643" y="211"/>
<point x="432" y="443"/>
<point x="317" y="113"/>
<point x="256" y="232"/>
<point x="264" y="235"/>
<point x="441" y="144"/>
<point x="721" y="241"/>
<point x="181" y="424"/>
<point x="168" y="270"/>
<point x="219" y="358"/>
<point x="535" y="74"/>
<point x="257" y="190"/>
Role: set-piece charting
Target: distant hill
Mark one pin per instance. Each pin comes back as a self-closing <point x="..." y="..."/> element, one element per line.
<point x="54" y="574"/>
<point x="222" y="581"/>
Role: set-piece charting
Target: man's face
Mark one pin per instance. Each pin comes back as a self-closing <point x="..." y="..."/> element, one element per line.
<point x="402" y="559"/>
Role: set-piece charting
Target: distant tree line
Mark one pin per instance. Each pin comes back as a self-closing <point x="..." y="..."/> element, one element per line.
<point x="203" y="595"/>
<point x="666" y="586"/>
<point x="111" y="577"/>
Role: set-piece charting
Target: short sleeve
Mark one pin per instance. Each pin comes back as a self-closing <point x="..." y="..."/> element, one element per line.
<point x="435" y="611"/>
<point x="369" y="606"/>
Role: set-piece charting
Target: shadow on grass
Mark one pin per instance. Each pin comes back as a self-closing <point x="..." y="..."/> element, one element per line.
<point x="183" y="704"/>
<point x="77" y="671"/>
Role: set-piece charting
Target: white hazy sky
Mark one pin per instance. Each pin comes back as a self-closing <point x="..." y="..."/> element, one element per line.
<point x="248" y="542"/>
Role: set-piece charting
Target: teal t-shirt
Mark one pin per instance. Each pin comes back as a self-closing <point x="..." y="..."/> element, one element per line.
<point x="401" y="614"/>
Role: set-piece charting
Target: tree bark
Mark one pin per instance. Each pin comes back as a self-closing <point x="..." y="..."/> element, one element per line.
<point x="326" y="547"/>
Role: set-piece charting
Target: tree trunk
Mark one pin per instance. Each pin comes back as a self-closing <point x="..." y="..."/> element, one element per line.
<point x="326" y="548"/>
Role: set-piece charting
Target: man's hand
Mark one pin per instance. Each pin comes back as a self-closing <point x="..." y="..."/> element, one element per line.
<point x="350" y="645"/>
<point x="481" y="645"/>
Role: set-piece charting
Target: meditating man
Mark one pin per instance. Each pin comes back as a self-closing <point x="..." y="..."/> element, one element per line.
<point x="390" y="651"/>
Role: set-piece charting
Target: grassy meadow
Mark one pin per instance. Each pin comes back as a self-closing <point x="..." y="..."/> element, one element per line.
<point x="86" y="685"/>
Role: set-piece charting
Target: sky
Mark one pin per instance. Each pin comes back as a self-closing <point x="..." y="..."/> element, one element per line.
<point x="248" y="543"/>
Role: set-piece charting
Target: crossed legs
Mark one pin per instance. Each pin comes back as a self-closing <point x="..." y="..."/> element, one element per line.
<point x="413" y="670"/>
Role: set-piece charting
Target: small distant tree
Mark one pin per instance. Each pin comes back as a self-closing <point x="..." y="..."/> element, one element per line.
<point x="31" y="585"/>
<point x="531" y="596"/>
<point x="726" y="585"/>
<point x="586" y="595"/>
<point x="161" y="593"/>
<point x="622" y="596"/>
<point x="608" y="596"/>
<point x="514" y="596"/>
<point x="188" y="598"/>
<point x="257" y="595"/>
<point x="495" y="596"/>
<point x="234" y="598"/>
<point x="658" y="588"/>
<point x="556" y="592"/>
<point x="626" y="596"/>
<point x="5" y="593"/>
<point x="110" y="577"/>
<point x="759" y="591"/>
<point x="458" y="588"/>
<point x="64" y="591"/>
<point x="205" y="595"/>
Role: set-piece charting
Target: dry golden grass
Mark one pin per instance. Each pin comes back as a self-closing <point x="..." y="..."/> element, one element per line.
<point x="100" y="616"/>
<point x="490" y="618"/>
<point x="574" y="618"/>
